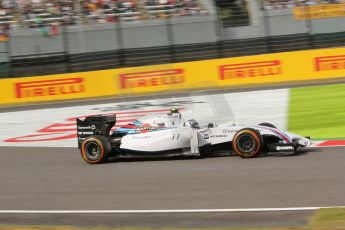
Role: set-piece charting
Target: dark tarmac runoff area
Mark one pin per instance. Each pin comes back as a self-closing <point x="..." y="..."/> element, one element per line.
<point x="58" y="179"/>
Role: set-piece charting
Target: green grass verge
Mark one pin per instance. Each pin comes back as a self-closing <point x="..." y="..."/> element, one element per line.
<point x="323" y="219"/>
<point x="318" y="111"/>
<point x="328" y="219"/>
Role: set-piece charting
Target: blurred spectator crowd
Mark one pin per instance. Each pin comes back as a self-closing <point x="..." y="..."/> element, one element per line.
<point x="40" y="13"/>
<point x="283" y="4"/>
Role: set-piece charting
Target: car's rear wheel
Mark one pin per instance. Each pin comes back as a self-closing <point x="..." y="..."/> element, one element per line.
<point x="96" y="149"/>
<point x="247" y="143"/>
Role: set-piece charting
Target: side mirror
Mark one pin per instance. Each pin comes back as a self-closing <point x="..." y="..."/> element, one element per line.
<point x="210" y="125"/>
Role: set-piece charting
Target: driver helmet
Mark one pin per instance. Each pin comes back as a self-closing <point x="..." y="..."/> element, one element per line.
<point x="174" y="113"/>
<point x="174" y="110"/>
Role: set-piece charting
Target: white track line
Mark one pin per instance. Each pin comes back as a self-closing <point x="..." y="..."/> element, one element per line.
<point x="164" y="211"/>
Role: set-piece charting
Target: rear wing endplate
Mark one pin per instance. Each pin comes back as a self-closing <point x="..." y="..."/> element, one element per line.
<point x="94" y="125"/>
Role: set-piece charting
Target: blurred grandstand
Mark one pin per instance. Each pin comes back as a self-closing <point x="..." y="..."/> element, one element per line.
<point x="58" y="36"/>
<point x="36" y="13"/>
<point x="284" y="4"/>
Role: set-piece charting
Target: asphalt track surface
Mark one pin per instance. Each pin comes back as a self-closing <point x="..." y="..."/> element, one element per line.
<point x="58" y="179"/>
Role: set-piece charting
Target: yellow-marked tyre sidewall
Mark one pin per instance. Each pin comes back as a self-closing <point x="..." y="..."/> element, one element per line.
<point x="100" y="144"/>
<point x="258" y="140"/>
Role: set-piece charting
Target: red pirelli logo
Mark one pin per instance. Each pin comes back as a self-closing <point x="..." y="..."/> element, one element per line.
<point x="250" y="69"/>
<point x="49" y="87"/>
<point x="330" y="63"/>
<point x="152" y="78"/>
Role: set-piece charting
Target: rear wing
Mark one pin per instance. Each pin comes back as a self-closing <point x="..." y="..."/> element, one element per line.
<point x="94" y="125"/>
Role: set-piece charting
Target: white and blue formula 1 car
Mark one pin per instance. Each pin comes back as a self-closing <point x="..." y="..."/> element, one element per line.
<point x="171" y="135"/>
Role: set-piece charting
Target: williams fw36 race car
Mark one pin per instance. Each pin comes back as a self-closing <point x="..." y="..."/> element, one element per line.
<point x="171" y="135"/>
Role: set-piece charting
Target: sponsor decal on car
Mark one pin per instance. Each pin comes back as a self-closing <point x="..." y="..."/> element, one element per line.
<point x="141" y="137"/>
<point x="225" y="131"/>
<point x="93" y="127"/>
<point x="284" y="148"/>
<point x="147" y="128"/>
<point x="152" y="78"/>
<point x="86" y="133"/>
<point x="218" y="136"/>
<point x="250" y="69"/>
<point x="49" y="87"/>
<point x="327" y="63"/>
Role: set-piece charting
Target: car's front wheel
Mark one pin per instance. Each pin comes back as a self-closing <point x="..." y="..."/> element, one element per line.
<point x="247" y="143"/>
<point x="96" y="149"/>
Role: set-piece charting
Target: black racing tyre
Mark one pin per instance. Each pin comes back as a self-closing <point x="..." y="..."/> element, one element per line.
<point x="96" y="149"/>
<point x="267" y="125"/>
<point x="247" y="143"/>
